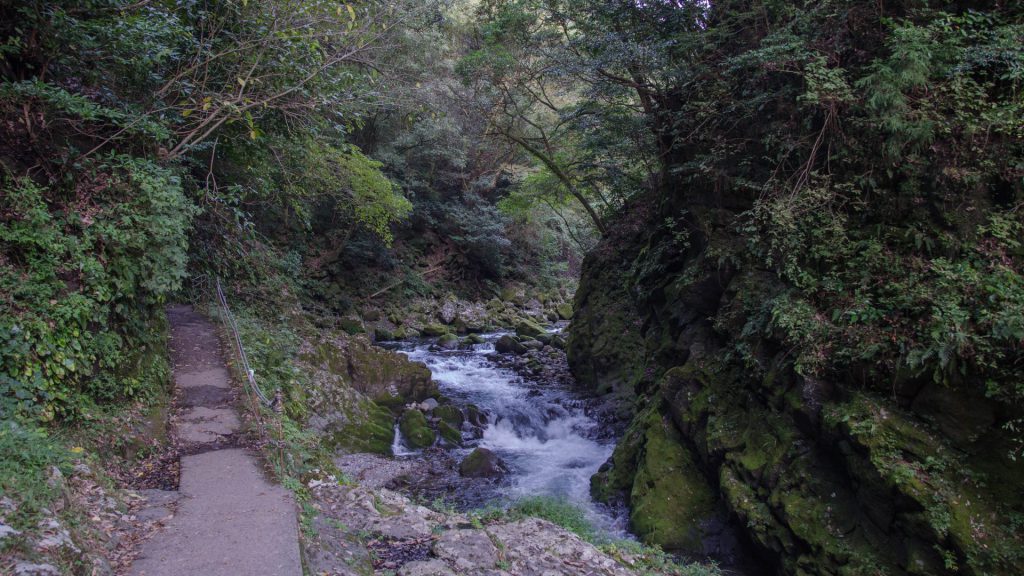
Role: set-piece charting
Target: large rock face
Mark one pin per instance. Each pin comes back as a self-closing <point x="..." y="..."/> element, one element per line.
<point x="354" y="388"/>
<point x="604" y="346"/>
<point x="895" y="477"/>
<point x="388" y="378"/>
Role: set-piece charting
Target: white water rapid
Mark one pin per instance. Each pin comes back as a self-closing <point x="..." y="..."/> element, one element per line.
<point x="540" y="430"/>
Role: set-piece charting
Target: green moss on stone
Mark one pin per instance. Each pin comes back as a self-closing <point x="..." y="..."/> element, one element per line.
<point x="670" y="497"/>
<point x="435" y="330"/>
<point x="449" y="433"/>
<point x="351" y="326"/>
<point x="529" y="329"/>
<point x="416" y="430"/>
<point x="450" y="414"/>
<point x="448" y="341"/>
<point x="368" y="428"/>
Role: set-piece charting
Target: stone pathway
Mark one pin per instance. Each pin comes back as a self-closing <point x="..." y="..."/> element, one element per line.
<point x="229" y="519"/>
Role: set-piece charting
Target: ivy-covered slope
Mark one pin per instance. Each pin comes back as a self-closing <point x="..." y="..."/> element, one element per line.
<point x="843" y="473"/>
<point x="816" y="314"/>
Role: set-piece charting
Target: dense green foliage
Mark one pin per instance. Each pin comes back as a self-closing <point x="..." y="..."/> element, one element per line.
<point x="777" y="196"/>
<point x="871" y="160"/>
<point x="821" y="291"/>
<point x="278" y="145"/>
<point x="81" y="286"/>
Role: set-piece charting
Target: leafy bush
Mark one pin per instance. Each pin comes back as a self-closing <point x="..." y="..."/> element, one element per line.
<point x="82" y="281"/>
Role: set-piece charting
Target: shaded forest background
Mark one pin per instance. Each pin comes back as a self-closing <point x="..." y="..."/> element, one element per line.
<point x="847" y="175"/>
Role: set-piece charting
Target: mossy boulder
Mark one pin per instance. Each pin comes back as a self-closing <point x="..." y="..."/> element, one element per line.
<point x="476" y="416"/>
<point x="435" y="330"/>
<point x="531" y="344"/>
<point x="386" y="377"/>
<point x="448" y="341"/>
<point x="508" y="344"/>
<point x="669" y="497"/>
<point x="564" y="311"/>
<point x="508" y="294"/>
<point x="449" y="433"/>
<point x="482" y="463"/>
<point x="381" y="334"/>
<point x="368" y="428"/>
<point x="450" y="414"/>
<point x="343" y="416"/>
<point x="529" y="329"/>
<point x="416" y="430"/>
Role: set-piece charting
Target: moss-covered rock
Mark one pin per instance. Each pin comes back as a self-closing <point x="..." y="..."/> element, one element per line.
<point x="448" y="341"/>
<point x="416" y="430"/>
<point x="529" y="329"/>
<point x="508" y="344"/>
<point x="476" y="416"/>
<point x="670" y="500"/>
<point x="344" y="416"/>
<point x="482" y="463"/>
<point x="564" y="311"/>
<point x="386" y="377"/>
<point x="351" y="325"/>
<point x="367" y="428"/>
<point x="435" y="330"/>
<point x="450" y="414"/>
<point x="449" y="433"/>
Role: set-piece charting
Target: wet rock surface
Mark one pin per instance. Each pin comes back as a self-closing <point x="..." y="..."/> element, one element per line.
<point x="482" y="463"/>
<point x="359" y="530"/>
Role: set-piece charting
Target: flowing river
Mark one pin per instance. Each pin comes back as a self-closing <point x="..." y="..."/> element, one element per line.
<point x="543" y="431"/>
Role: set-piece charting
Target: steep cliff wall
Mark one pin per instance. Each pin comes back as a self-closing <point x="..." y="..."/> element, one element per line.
<point x="846" y="475"/>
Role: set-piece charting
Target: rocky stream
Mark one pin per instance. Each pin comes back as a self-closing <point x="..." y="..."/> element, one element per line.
<point x="548" y="435"/>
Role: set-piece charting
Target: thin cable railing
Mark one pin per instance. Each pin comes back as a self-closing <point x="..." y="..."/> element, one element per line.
<point x="229" y="321"/>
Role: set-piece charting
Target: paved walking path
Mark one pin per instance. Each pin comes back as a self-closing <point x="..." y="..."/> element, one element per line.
<point x="230" y="519"/>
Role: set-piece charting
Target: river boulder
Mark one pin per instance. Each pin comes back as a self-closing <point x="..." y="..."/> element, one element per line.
<point x="416" y="430"/>
<point x="450" y="414"/>
<point x="508" y="344"/>
<point x="529" y="329"/>
<point x="531" y="344"/>
<point x="448" y="341"/>
<point x="435" y="330"/>
<point x="449" y="433"/>
<point x="482" y="463"/>
<point x="386" y="377"/>
<point x="476" y="416"/>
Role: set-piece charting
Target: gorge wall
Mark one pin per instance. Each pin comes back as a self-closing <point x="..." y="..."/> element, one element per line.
<point x="846" y="475"/>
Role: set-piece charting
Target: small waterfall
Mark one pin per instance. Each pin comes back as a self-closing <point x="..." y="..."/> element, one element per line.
<point x="398" y="447"/>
